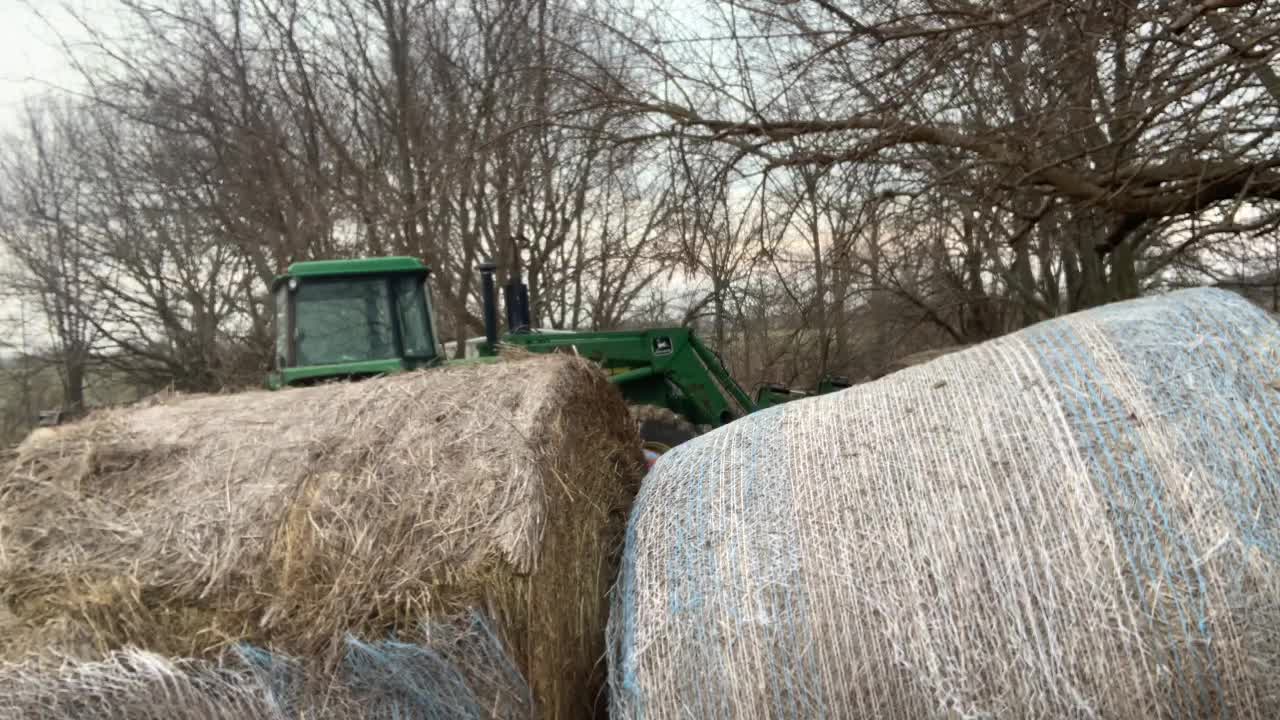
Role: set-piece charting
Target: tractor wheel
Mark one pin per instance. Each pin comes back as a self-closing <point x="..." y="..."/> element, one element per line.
<point x="661" y="429"/>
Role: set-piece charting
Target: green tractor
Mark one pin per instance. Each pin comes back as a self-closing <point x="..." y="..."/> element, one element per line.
<point x="349" y="319"/>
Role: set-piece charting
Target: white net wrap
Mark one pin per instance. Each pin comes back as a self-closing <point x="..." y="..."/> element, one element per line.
<point x="1076" y="520"/>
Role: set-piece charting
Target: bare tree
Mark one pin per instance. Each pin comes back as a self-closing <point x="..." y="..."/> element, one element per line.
<point x="43" y="215"/>
<point x="233" y="137"/>
<point x="1085" y="127"/>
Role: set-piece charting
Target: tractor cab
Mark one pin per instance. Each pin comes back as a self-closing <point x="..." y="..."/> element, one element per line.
<point x="345" y="319"/>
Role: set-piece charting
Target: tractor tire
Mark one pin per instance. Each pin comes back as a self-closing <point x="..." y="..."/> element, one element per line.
<point x="661" y="429"/>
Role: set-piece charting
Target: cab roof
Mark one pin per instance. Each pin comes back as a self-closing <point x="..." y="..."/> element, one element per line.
<point x="360" y="266"/>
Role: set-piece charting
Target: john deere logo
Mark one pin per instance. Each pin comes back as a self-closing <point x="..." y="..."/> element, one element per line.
<point x="662" y="345"/>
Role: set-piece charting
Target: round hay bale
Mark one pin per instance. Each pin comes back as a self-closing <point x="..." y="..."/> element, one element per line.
<point x="291" y="518"/>
<point x="1079" y="520"/>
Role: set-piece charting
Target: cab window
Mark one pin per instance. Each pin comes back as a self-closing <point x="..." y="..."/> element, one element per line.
<point x="414" y="330"/>
<point x="342" y="321"/>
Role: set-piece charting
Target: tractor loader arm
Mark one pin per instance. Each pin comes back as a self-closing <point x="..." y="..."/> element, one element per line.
<point x="663" y="367"/>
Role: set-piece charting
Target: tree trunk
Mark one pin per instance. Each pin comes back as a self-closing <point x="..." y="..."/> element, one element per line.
<point x="73" y="371"/>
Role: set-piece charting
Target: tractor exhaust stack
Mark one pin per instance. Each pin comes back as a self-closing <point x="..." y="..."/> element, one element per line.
<point x="490" y="295"/>
<point x="517" y="299"/>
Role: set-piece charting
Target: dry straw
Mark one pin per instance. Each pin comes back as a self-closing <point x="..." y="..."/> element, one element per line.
<point x="292" y="518"/>
<point x="1081" y="520"/>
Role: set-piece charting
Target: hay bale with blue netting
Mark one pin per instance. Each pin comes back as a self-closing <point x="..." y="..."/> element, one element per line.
<point x="1078" y="520"/>
<point x="291" y="520"/>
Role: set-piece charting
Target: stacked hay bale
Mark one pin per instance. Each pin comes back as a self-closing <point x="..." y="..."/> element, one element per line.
<point x="1078" y="520"/>
<point x="293" y="520"/>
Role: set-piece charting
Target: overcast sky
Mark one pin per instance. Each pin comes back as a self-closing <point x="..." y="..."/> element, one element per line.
<point x="31" y="59"/>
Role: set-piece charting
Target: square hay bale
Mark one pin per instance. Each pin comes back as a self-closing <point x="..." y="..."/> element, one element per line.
<point x="290" y="519"/>
<point x="1079" y="520"/>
